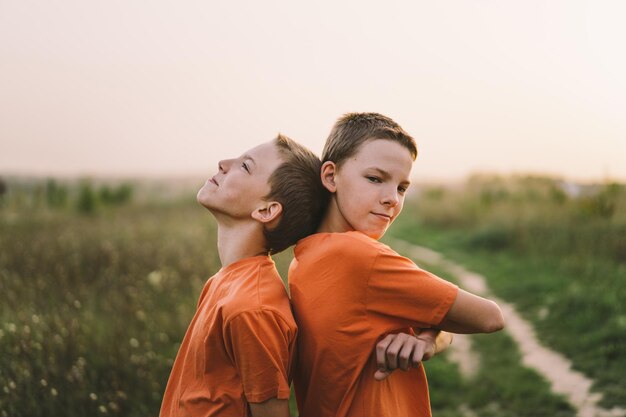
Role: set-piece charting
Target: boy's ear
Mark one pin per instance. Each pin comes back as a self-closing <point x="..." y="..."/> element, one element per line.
<point x="268" y="212"/>
<point x="327" y="174"/>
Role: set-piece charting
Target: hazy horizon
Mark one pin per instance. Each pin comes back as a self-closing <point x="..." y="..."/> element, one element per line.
<point x="162" y="90"/>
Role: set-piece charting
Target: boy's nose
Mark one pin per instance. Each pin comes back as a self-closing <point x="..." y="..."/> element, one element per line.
<point x="391" y="198"/>
<point x="224" y="165"/>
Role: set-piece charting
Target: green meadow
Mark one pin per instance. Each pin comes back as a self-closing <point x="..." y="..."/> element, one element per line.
<point x="99" y="280"/>
<point x="557" y="251"/>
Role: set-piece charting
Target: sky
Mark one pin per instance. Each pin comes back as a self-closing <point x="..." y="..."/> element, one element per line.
<point x="164" y="89"/>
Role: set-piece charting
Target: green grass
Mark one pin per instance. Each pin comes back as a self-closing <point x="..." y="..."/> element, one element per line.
<point x="94" y="307"/>
<point x="502" y="386"/>
<point x="560" y="260"/>
<point x="96" y="298"/>
<point x="96" y="302"/>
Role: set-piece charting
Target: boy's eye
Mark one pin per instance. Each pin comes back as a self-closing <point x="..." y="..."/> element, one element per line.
<point x="402" y="190"/>
<point x="245" y="166"/>
<point x="373" y="179"/>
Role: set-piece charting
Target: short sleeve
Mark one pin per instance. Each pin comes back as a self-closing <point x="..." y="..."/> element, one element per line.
<point x="400" y="294"/>
<point x="261" y="343"/>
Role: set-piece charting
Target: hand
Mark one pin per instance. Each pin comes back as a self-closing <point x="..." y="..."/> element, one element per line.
<point x="403" y="351"/>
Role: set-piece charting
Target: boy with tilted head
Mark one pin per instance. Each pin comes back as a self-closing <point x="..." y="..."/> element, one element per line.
<point x="236" y="357"/>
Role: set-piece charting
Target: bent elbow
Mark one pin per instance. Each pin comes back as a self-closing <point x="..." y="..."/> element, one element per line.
<point x="495" y="326"/>
<point x="496" y="322"/>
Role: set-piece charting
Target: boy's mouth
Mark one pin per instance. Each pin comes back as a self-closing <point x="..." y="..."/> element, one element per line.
<point x="214" y="181"/>
<point x="382" y="215"/>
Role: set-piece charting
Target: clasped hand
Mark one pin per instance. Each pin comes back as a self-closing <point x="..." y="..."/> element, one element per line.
<point x="403" y="351"/>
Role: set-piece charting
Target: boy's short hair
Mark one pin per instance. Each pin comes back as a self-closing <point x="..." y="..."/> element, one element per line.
<point x="297" y="186"/>
<point x="354" y="129"/>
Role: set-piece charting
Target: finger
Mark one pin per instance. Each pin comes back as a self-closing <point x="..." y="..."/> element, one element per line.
<point x="418" y="353"/>
<point x="394" y="349"/>
<point x="381" y="351"/>
<point x="381" y="375"/>
<point x="430" y="345"/>
<point x="404" y="357"/>
<point x="429" y="351"/>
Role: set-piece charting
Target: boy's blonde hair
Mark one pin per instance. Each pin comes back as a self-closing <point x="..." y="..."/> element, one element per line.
<point x="297" y="186"/>
<point x="354" y="129"/>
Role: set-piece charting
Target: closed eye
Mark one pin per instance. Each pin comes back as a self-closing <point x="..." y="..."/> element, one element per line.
<point x="245" y="166"/>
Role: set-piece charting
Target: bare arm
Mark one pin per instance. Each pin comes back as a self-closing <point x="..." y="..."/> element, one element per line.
<point x="472" y="314"/>
<point x="270" y="408"/>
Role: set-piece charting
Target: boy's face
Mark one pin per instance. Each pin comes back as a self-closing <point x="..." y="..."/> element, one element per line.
<point x="241" y="183"/>
<point x="371" y="185"/>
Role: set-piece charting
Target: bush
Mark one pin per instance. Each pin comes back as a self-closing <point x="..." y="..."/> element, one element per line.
<point x="116" y="196"/>
<point x="86" y="202"/>
<point x="56" y="195"/>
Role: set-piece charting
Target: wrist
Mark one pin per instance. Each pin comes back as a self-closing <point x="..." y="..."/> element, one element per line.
<point x="430" y="340"/>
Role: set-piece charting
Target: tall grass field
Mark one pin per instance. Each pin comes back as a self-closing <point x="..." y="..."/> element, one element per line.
<point x="99" y="280"/>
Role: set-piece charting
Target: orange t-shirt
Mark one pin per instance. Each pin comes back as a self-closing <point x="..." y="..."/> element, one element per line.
<point x="347" y="292"/>
<point x="239" y="346"/>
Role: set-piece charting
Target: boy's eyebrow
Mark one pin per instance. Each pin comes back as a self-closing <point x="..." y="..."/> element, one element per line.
<point x="386" y="175"/>
<point x="382" y="172"/>
<point x="246" y="156"/>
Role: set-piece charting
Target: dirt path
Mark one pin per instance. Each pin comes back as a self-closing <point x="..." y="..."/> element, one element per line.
<point x="556" y="368"/>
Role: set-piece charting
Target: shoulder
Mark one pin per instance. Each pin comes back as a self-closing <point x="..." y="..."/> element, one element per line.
<point x="259" y="289"/>
<point x="344" y="245"/>
<point x="264" y="320"/>
<point x="333" y="261"/>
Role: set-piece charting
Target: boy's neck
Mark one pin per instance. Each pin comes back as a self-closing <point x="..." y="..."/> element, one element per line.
<point x="333" y="221"/>
<point x="239" y="241"/>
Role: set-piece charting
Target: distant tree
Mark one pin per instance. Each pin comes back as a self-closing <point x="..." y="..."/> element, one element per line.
<point x="603" y="203"/>
<point x="87" y="200"/>
<point x="116" y="196"/>
<point x="3" y="191"/>
<point x="56" y="195"/>
<point x="105" y="195"/>
<point x="557" y="194"/>
<point x="124" y="193"/>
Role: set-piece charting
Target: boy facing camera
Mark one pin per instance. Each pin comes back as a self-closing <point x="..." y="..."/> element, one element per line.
<point x="349" y="290"/>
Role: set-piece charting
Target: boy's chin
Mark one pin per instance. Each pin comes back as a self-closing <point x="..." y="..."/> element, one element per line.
<point x="205" y="199"/>
<point x="201" y="200"/>
<point x="200" y="197"/>
<point x="204" y="202"/>
<point x="375" y="234"/>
